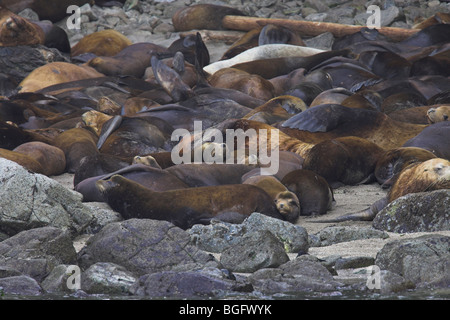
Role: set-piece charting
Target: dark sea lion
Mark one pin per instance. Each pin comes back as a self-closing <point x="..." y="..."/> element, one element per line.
<point x="271" y="34"/>
<point x="331" y="96"/>
<point x="247" y="41"/>
<point x="277" y="109"/>
<point x="395" y="160"/>
<point x="286" y="201"/>
<point x="214" y="174"/>
<point x="193" y="49"/>
<point x="16" y="31"/>
<point x="250" y="84"/>
<point x="434" y="138"/>
<point x="12" y="136"/>
<point x="186" y="207"/>
<point x="54" y="36"/>
<point x="131" y="61"/>
<point x="345" y="160"/>
<point x="56" y="73"/>
<point x="328" y="121"/>
<point x="53" y="10"/>
<point x="76" y="143"/>
<point x="51" y="158"/>
<point x="149" y="177"/>
<point x="202" y="16"/>
<point x="107" y="42"/>
<point x="312" y="190"/>
<point x="438" y="114"/>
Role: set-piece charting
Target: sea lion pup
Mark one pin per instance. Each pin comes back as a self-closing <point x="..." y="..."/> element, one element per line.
<point x="267" y="51"/>
<point x="430" y="175"/>
<point x="313" y="192"/>
<point x="56" y="73"/>
<point x="286" y="201"/>
<point x="345" y="160"/>
<point x="186" y="207"/>
<point x="438" y="114"/>
<point x="394" y="161"/>
<point x="101" y="43"/>
<point x="18" y="31"/>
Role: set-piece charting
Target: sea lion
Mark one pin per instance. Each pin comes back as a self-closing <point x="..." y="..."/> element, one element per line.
<point x="277" y="109"/>
<point x="394" y="161"/>
<point x="433" y="174"/>
<point x="18" y="31"/>
<point x="149" y="177"/>
<point x="331" y="96"/>
<point x="202" y="16"/>
<point x="147" y="160"/>
<point x="345" y="160"/>
<point x="438" y="114"/>
<point x="131" y="61"/>
<point x="250" y="84"/>
<point x="271" y="34"/>
<point x="329" y="121"/>
<point x="313" y="192"/>
<point x="55" y="73"/>
<point x="76" y="144"/>
<point x="24" y="160"/>
<point x="433" y="138"/>
<point x="263" y="52"/>
<point x="186" y="207"/>
<point x="286" y="201"/>
<point x="107" y="43"/>
<point x="51" y="158"/>
<point x="417" y="115"/>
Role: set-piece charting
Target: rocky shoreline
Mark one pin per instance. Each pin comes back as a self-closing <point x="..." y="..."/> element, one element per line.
<point x="48" y="229"/>
<point x="262" y="257"/>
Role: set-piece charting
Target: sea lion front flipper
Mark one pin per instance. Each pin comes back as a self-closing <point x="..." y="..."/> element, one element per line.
<point x="170" y="81"/>
<point x="108" y="127"/>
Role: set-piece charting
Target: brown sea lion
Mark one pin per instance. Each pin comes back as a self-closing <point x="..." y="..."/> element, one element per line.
<point x="345" y="160"/>
<point x="312" y="190"/>
<point x="76" y="143"/>
<point x="186" y="207"/>
<point x="131" y="61"/>
<point x="106" y="43"/>
<point x="277" y="109"/>
<point x="416" y="115"/>
<point x="146" y="160"/>
<point x="51" y="158"/>
<point x="394" y="161"/>
<point x="55" y="73"/>
<point x="433" y="174"/>
<point x="18" y="31"/>
<point x="286" y="201"/>
<point x="329" y="121"/>
<point x="24" y="160"/>
<point x="202" y="16"/>
<point x="438" y="114"/>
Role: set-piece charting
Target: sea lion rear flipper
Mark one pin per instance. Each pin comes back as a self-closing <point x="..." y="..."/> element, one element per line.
<point x="109" y="127"/>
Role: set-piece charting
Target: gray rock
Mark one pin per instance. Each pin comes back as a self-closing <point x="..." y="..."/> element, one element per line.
<point x="144" y="246"/>
<point x="256" y="250"/>
<point x="391" y="282"/>
<point x="218" y="236"/>
<point x="103" y="216"/>
<point x="389" y="15"/>
<point x="6" y="271"/>
<point x="29" y="200"/>
<point x="336" y="234"/>
<point x="353" y="262"/>
<point x="56" y="281"/>
<point x="304" y="274"/>
<point x="424" y="261"/>
<point x="36" y="252"/>
<point x="107" y="278"/>
<point x="200" y="283"/>
<point x="416" y="212"/>
<point x="20" y="285"/>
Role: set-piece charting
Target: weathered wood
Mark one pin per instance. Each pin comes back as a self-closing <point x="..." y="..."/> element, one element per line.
<point x="310" y="28"/>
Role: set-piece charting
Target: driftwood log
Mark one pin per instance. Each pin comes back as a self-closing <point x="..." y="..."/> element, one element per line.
<point x="310" y="28"/>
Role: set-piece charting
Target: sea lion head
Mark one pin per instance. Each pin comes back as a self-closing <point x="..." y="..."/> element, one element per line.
<point x="147" y="160"/>
<point x="108" y="184"/>
<point x="438" y="114"/>
<point x="288" y="205"/>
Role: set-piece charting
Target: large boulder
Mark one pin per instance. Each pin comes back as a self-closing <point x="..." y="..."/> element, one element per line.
<point x="144" y="246"/>
<point x="423" y="261"/>
<point x="416" y="212"/>
<point x="36" y="252"/>
<point x="29" y="200"/>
